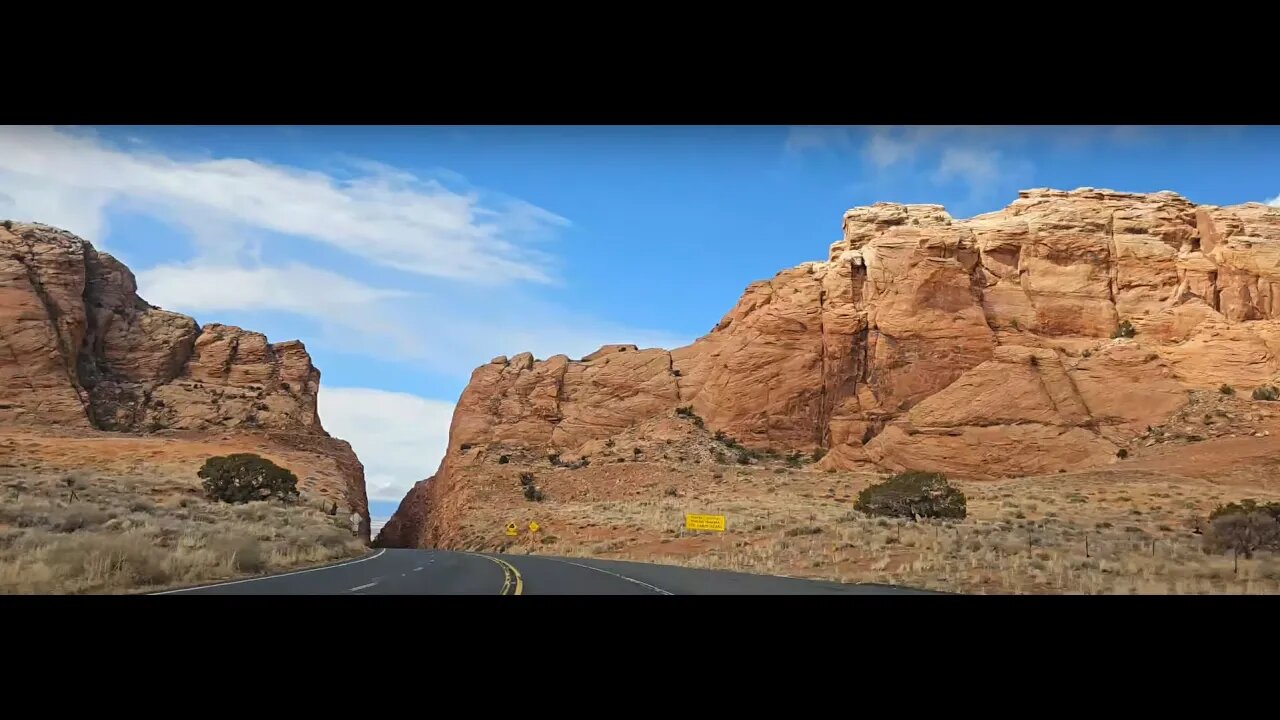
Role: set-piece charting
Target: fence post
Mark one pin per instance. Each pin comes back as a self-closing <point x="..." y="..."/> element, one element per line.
<point x="1086" y="544"/>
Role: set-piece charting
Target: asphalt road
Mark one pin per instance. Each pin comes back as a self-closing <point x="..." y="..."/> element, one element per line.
<point x="440" y="572"/>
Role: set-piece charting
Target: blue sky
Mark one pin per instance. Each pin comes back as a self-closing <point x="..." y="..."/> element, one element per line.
<point x="406" y="256"/>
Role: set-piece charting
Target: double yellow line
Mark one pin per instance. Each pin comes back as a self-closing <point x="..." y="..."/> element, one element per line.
<point x="509" y="572"/>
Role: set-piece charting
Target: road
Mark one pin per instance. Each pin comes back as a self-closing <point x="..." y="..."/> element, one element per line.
<point x="441" y="572"/>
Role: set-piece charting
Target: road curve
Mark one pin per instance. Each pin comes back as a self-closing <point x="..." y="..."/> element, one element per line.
<point x="442" y="572"/>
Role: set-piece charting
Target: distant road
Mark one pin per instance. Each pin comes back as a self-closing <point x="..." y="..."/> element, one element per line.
<point x="441" y="572"/>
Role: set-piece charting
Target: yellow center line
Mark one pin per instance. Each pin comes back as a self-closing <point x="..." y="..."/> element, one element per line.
<point x="508" y="572"/>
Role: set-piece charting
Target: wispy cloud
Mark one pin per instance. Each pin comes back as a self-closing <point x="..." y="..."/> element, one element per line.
<point x="444" y="331"/>
<point x="387" y="216"/>
<point x="976" y="167"/>
<point x="1274" y="202"/>
<point x="400" y="437"/>
<point x="981" y="159"/>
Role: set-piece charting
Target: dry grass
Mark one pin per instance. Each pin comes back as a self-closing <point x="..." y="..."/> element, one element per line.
<point x="127" y="535"/>
<point x="1025" y="535"/>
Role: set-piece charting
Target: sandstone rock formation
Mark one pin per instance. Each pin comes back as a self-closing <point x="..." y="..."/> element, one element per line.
<point x="984" y="347"/>
<point x="81" y="352"/>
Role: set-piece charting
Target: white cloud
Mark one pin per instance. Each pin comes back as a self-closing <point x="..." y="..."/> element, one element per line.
<point x="1274" y="202"/>
<point x="45" y="200"/>
<point x="885" y="150"/>
<point x="977" y="167"/>
<point x="387" y="216"/>
<point x="450" y="333"/>
<point x="399" y="437"/>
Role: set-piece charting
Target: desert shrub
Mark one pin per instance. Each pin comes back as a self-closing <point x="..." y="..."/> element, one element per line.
<point x="913" y="494"/>
<point x="1266" y="392"/>
<point x="1246" y="507"/>
<point x="244" y="553"/>
<point x="744" y="457"/>
<point x="1226" y="389"/>
<point x="609" y="443"/>
<point x="503" y="459"/>
<point x="1243" y="533"/>
<point x="1122" y="453"/>
<point x="526" y="479"/>
<point x="687" y="411"/>
<point x="1124" y="330"/>
<point x="818" y="454"/>
<point x="554" y="459"/>
<point x="671" y="491"/>
<point x="244" y="477"/>
<point x="579" y="463"/>
<point x="533" y="493"/>
<point x="793" y="460"/>
<point x="719" y="457"/>
<point x="804" y="530"/>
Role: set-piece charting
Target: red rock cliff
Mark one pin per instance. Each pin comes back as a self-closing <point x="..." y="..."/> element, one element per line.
<point x="80" y="351"/>
<point x="979" y="347"/>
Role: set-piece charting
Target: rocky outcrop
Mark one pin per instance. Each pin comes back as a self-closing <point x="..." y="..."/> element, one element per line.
<point x="981" y="347"/>
<point x="79" y="350"/>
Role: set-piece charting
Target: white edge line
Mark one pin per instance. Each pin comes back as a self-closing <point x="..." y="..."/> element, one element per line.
<point x="272" y="577"/>
<point x="361" y="587"/>
<point x="624" y="577"/>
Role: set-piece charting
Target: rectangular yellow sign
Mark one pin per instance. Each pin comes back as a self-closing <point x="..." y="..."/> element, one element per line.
<point x="704" y="522"/>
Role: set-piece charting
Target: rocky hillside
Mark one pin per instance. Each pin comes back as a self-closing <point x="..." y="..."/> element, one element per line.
<point x="83" y="359"/>
<point x="1045" y="337"/>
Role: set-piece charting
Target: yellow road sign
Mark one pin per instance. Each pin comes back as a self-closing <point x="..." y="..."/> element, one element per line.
<point x="533" y="526"/>
<point x="511" y="529"/>
<point x="704" y="522"/>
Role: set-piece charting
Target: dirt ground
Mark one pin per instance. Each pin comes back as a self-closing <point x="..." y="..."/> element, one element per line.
<point x="1125" y="528"/>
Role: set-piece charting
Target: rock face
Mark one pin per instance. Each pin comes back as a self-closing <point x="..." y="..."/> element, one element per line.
<point x="79" y="350"/>
<point x="983" y="347"/>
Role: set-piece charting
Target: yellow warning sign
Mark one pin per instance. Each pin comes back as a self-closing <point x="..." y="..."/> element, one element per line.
<point x="533" y="526"/>
<point x="704" y="522"/>
<point x="511" y="529"/>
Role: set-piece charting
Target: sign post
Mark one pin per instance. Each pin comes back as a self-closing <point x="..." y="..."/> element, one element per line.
<point x="714" y="523"/>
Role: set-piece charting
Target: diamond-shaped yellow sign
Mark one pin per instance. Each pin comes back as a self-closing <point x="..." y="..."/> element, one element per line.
<point x="533" y="526"/>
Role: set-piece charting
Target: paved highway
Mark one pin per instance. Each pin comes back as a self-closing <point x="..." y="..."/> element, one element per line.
<point x="440" y="572"/>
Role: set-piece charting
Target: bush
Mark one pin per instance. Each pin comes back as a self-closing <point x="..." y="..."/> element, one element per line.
<point x="1243" y="533"/>
<point x="244" y="477"/>
<point x="554" y="459"/>
<point x="1266" y="392"/>
<point x="744" y="457"/>
<point x="503" y="459"/>
<point x="1124" y="330"/>
<point x="1122" y="453"/>
<point x="533" y="493"/>
<point x="1246" y="507"/>
<point x="1226" y="389"/>
<point x="913" y="494"/>
<point x="526" y="479"/>
<point x="793" y="460"/>
<point x="818" y="454"/>
<point x="687" y="411"/>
